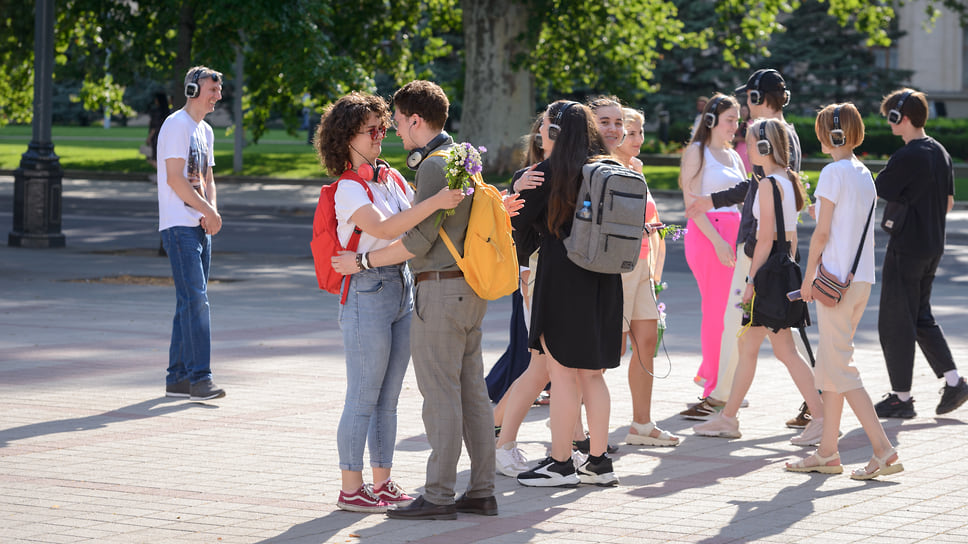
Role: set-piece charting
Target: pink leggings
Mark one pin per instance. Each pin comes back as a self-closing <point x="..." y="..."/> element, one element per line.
<point x="714" y="280"/>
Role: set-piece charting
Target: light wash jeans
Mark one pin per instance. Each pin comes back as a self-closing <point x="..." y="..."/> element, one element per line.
<point x="376" y="338"/>
<point x="190" y="253"/>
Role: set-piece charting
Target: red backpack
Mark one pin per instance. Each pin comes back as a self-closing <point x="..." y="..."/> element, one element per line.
<point x="325" y="243"/>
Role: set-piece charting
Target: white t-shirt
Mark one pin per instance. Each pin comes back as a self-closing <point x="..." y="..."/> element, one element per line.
<point x="351" y="196"/>
<point x="181" y="137"/>
<point x="849" y="186"/>
<point x="788" y="203"/>
<point x="717" y="176"/>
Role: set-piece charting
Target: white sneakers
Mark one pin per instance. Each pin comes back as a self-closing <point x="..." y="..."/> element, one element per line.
<point x="720" y="426"/>
<point x="811" y="434"/>
<point x="510" y="460"/>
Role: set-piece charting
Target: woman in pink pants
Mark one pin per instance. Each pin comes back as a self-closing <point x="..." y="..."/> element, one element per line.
<point x="709" y="163"/>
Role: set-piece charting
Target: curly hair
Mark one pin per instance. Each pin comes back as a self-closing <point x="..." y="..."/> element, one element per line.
<point x="340" y="123"/>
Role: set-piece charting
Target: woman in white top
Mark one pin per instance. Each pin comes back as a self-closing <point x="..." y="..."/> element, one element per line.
<point x="770" y="144"/>
<point x="709" y="164"/>
<point x="375" y="320"/>
<point x="845" y="197"/>
<point x="640" y="314"/>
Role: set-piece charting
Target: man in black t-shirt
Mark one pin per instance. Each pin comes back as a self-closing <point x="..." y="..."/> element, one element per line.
<point x="918" y="185"/>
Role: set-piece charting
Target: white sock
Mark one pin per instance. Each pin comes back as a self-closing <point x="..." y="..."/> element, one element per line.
<point x="951" y="377"/>
<point x="904" y="396"/>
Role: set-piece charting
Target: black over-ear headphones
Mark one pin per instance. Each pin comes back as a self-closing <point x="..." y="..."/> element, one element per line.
<point x="837" y="137"/>
<point x="415" y="157"/>
<point x="757" y="96"/>
<point x="192" y="88"/>
<point x="763" y="146"/>
<point x="897" y="113"/>
<point x="554" y="129"/>
<point x="712" y="117"/>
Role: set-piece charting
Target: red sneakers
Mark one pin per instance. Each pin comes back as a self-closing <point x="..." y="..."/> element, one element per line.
<point x="392" y="494"/>
<point x="361" y="500"/>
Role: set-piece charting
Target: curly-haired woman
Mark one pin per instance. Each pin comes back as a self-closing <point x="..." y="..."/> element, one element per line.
<point x="375" y="320"/>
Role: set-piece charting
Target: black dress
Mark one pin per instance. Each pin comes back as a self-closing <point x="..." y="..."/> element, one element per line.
<point x="579" y="312"/>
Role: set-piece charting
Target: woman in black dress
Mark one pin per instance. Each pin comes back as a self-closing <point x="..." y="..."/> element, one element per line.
<point x="576" y="314"/>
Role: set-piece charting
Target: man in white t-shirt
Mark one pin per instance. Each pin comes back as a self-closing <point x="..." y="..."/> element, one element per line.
<point x="187" y="219"/>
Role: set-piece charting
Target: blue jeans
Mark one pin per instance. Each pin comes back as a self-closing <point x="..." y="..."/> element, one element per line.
<point x="190" y="253"/>
<point x="376" y="338"/>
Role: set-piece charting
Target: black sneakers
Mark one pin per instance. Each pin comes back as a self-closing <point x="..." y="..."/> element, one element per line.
<point x="892" y="406"/>
<point x="180" y="390"/>
<point x="952" y="397"/>
<point x="551" y="473"/>
<point x="205" y="390"/>
<point x="598" y="473"/>
<point x="584" y="445"/>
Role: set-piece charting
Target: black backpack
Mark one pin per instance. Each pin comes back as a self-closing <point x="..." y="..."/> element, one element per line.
<point x="779" y="275"/>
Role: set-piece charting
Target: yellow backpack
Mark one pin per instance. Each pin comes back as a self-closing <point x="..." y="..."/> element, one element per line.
<point x="490" y="261"/>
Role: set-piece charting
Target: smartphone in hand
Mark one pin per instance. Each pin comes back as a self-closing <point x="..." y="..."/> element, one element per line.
<point x="794" y="295"/>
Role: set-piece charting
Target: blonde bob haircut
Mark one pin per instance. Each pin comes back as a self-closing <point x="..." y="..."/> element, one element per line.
<point x="849" y="120"/>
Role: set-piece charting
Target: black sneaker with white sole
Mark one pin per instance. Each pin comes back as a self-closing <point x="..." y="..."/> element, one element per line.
<point x="597" y="472"/>
<point x="550" y="473"/>
<point x="205" y="390"/>
<point x="178" y="390"/>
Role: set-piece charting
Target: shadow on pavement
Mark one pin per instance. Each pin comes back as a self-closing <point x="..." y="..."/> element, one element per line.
<point x="149" y="408"/>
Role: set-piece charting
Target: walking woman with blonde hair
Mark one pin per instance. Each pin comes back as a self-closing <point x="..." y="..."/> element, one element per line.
<point x="770" y="143"/>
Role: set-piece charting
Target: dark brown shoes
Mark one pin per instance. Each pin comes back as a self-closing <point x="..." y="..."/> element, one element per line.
<point x="421" y="509"/>
<point x="484" y="506"/>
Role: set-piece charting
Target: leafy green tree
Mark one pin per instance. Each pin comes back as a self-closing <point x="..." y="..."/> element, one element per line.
<point x="518" y="54"/>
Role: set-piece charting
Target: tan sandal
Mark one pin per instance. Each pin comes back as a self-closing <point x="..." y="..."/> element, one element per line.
<point x="821" y="466"/>
<point x="883" y="469"/>
<point x="644" y="436"/>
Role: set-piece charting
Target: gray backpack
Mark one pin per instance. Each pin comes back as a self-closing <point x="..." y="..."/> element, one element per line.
<point x="606" y="235"/>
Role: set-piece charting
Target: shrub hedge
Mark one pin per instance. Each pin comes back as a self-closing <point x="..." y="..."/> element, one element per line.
<point x="878" y="140"/>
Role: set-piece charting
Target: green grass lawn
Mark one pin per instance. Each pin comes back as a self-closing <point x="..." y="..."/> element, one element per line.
<point x="278" y="154"/>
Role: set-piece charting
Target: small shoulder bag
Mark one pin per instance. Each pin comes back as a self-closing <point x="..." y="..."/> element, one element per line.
<point x="826" y="289"/>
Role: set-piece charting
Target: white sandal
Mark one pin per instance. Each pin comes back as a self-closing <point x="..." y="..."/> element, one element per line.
<point x="645" y="438"/>
<point x="883" y="469"/>
<point x="821" y="466"/>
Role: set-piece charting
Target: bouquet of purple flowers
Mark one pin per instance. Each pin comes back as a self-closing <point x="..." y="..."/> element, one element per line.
<point x="463" y="162"/>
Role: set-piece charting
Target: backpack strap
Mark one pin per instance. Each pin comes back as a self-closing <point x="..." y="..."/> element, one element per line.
<point x="778" y="213"/>
<point x="354" y="241"/>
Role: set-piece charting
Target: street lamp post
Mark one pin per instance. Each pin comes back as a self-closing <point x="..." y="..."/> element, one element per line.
<point x="38" y="183"/>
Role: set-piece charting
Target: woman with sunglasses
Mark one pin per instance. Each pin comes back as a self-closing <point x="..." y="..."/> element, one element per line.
<point x="375" y="320"/>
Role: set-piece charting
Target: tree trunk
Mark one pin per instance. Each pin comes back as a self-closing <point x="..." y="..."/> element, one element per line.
<point x="183" y="53"/>
<point x="237" y="114"/>
<point x="498" y="100"/>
